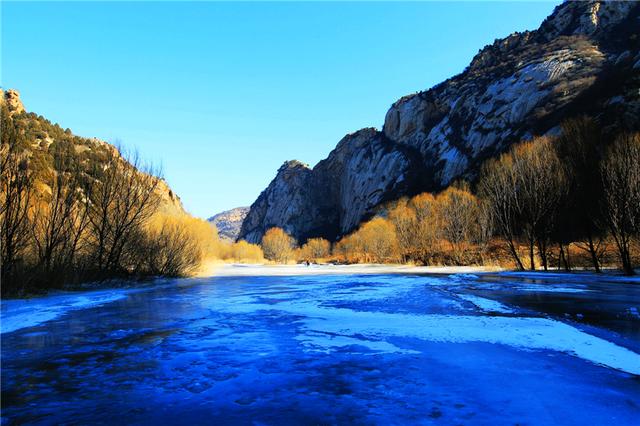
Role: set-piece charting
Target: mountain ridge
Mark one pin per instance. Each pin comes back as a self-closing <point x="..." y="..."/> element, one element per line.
<point x="583" y="59"/>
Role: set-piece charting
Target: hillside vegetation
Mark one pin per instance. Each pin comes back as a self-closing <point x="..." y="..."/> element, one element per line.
<point x="74" y="209"/>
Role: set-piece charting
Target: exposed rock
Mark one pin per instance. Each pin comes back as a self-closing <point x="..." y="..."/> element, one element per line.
<point x="582" y="60"/>
<point x="12" y="98"/>
<point x="585" y="18"/>
<point x="472" y="117"/>
<point x="229" y="222"/>
<point x="286" y="203"/>
<point x="364" y="170"/>
<point x="170" y="202"/>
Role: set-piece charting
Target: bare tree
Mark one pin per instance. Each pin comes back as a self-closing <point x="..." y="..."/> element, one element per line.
<point x="378" y="238"/>
<point x="59" y="219"/>
<point x="244" y="251"/>
<point x="540" y="185"/>
<point x="314" y="249"/>
<point x="485" y="227"/>
<point x="123" y="198"/>
<point x="524" y="188"/>
<point x="579" y="149"/>
<point x="621" y="181"/>
<point x="16" y="190"/>
<point x="498" y="190"/>
<point x="169" y="250"/>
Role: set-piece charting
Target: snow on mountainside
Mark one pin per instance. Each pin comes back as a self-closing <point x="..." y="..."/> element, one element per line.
<point x="584" y="59"/>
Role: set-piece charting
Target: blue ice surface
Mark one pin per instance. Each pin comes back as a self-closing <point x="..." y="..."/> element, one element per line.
<point x="336" y="349"/>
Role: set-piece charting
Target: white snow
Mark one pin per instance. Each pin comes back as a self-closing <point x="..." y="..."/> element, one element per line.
<point x="22" y="313"/>
<point x="524" y="333"/>
<point x="326" y="342"/>
<point x="486" y="305"/>
<point x="324" y="328"/>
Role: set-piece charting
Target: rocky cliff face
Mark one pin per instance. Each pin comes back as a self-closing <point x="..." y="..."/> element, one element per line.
<point x="364" y="170"/>
<point x="229" y="222"/>
<point x="584" y="59"/>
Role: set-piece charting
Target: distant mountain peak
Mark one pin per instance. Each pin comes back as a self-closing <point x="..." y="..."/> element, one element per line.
<point x="229" y="222"/>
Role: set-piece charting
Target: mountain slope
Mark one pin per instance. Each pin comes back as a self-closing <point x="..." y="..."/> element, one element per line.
<point x="77" y="210"/>
<point x="229" y="222"/>
<point x="49" y="144"/>
<point x="584" y="59"/>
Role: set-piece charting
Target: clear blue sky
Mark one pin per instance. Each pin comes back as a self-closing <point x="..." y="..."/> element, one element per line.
<point x="223" y="93"/>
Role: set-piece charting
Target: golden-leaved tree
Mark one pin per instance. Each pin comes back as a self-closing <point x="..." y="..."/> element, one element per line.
<point x="277" y="245"/>
<point x="375" y="241"/>
<point x="314" y="249"/>
<point x="405" y="221"/>
<point x="457" y="215"/>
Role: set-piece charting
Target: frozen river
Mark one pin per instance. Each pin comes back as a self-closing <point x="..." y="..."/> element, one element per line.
<point x="329" y="349"/>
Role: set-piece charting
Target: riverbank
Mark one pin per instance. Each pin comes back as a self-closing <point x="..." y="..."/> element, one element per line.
<point x="237" y="269"/>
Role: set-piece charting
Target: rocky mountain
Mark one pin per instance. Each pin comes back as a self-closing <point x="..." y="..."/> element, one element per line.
<point x="48" y="141"/>
<point x="583" y="59"/>
<point x="229" y="222"/>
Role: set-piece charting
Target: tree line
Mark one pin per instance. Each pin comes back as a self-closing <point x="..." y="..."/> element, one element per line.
<point x="580" y="189"/>
<point x="566" y="201"/>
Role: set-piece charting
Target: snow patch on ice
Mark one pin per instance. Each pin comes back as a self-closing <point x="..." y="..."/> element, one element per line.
<point x="461" y="278"/>
<point x="22" y="313"/>
<point x="486" y="305"/>
<point x="372" y="328"/>
<point x="324" y="342"/>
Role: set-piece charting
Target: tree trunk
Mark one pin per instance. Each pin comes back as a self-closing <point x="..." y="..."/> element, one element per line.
<point x="542" y="248"/>
<point x="594" y="255"/>
<point x="563" y="258"/>
<point x="626" y="262"/>
<point x="532" y="263"/>
<point x="514" y="253"/>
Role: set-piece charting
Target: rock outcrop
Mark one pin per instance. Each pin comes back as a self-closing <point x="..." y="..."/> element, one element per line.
<point x="229" y="222"/>
<point x="14" y="103"/>
<point x="364" y="170"/>
<point x="584" y="59"/>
